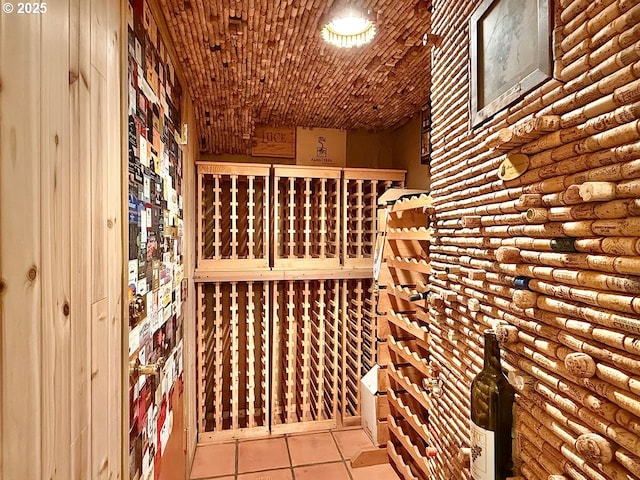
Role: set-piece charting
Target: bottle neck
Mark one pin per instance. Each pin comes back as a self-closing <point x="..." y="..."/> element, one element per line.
<point x="491" y="351"/>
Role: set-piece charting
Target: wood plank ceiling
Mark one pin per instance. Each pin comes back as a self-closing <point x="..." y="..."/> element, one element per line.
<point x="263" y="62"/>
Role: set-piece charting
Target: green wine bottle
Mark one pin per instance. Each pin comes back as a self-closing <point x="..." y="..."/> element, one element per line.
<point x="491" y="417"/>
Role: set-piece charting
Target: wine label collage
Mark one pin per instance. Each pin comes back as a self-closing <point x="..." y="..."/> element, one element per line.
<point x="156" y="267"/>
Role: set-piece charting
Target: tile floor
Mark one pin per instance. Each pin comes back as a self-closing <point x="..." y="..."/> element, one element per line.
<point x="311" y="456"/>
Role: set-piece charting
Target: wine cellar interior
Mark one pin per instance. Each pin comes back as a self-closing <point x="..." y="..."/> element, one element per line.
<point x="230" y="247"/>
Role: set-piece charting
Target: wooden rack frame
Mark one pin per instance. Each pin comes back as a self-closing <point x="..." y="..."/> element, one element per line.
<point x="406" y="324"/>
<point x="233" y="359"/>
<point x="306" y="217"/>
<point x="358" y="343"/>
<point x="361" y="189"/>
<point x="305" y="355"/>
<point x="285" y="331"/>
<point x="233" y="216"/>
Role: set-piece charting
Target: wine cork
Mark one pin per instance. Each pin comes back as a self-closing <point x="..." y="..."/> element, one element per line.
<point x="477" y="275"/>
<point x="474" y="304"/>
<point x="522" y="382"/>
<point x="464" y="456"/>
<point x="507" y="334"/>
<point x="441" y="275"/>
<point x="557" y="477"/>
<point x="580" y="365"/>
<point x="436" y="301"/>
<point x="594" y="448"/>
<point x="529" y="200"/>
<point x="597" y="191"/>
<point x="471" y="222"/>
<point x="525" y="298"/>
<point x="508" y="255"/>
<point x="536" y="215"/>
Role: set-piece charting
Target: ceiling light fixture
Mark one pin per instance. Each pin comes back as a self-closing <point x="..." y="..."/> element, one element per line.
<point x="350" y="28"/>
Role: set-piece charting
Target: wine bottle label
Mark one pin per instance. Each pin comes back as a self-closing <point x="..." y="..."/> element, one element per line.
<point x="483" y="458"/>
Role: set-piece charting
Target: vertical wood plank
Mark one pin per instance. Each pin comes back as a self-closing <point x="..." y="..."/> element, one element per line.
<point x="251" y="357"/>
<point x="20" y="268"/>
<point x="98" y="186"/>
<point x="99" y="389"/>
<point x="345" y="220"/>
<point x="201" y="366"/>
<point x="190" y="318"/>
<point x="291" y="354"/>
<point x="251" y="217"/>
<point x="235" y="356"/>
<point x="337" y="286"/>
<point x="55" y="252"/>
<point x="266" y="226"/>
<point x="323" y="218"/>
<point x="275" y="374"/>
<point x="321" y="348"/>
<point x="116" y="128"/>
<point x="307" y="217"/>
<point x="267" y="340"/>
<point x="306" y="354"/>
<point x="276" y="220"/>
<point x="292" y="217"/>
<point x="80" y="301"/>
<point x="219" y="358"/>
<point x="234" y="216"/>
<point x="217" y="195"/>
<point x="201" y="220"/>
<point x="344" y="318"/>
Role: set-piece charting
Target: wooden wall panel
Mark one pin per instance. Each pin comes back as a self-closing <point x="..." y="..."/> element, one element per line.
<point x="60" y="245"/>
<point x="20" y="236"/>
<point x="55" y="252"/>
<point x="581" y="127"/>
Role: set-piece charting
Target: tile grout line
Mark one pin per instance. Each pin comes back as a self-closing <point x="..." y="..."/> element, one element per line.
<point x="293" y="473"/>
<point x="341" y="455"/>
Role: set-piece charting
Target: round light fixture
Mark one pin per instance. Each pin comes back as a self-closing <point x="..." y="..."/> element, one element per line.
<point x="349" y="29"/>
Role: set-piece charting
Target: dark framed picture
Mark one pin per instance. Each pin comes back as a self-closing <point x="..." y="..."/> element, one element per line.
<point x="425" y="134"/>
<point x="510" y="53"/>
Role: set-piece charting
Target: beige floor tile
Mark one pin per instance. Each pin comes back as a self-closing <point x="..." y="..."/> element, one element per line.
<point x="214" y="460"/>
<point x="256" y="455"/>
<point x="284" y="474"/>
<point x="374" y="472"/>
<point x="351" y="442"/>
<point x="324" y="471"/>
<point x="312" y="448"/>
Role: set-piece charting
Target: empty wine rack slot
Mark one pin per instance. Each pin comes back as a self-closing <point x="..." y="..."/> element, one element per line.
<point x="305" y="354"/>
<point x="361" y="189"/>
<point x="358" y="345"/>
<point x="233" y="357"/>
<point x="233" y="211"/>
<point x="306" y="217"/>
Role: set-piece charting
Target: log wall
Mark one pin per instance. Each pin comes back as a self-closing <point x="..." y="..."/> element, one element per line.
<point x="571" y="328"/>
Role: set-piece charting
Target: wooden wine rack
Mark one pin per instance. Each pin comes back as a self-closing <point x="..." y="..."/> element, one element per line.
<point x="306" y="217"/>
<point x="361" y="189"/>
<point x="233" y="358"/>
<point x="406" y="324"/>
<point x="305" y="371"/>
<point x="285" y="331"/>
<point x="233" y="216"/>
<point x="358" y="343"/>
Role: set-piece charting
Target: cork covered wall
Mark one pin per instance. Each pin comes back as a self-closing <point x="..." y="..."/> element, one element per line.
<point x="570" y="330"/>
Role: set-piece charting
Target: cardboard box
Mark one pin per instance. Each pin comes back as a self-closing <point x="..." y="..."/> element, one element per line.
<point x="374" y="405"/>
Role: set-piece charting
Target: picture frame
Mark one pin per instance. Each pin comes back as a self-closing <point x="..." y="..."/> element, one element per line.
<point x="510" y="54"/>
<point x="425" y="134"/>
